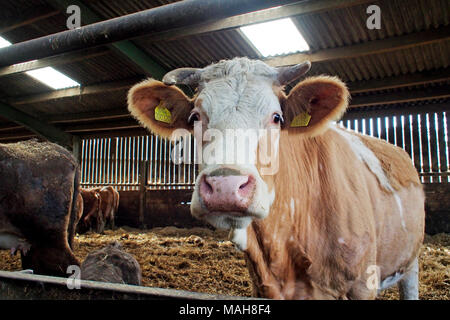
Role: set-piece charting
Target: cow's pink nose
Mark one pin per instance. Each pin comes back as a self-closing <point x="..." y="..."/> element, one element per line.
<point x="227" y="193"/>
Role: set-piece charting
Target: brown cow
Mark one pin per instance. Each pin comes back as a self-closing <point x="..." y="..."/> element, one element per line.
<point x="109" y="204"/>
<point x="39" y="198"/>
<point x="91" y="215"/>
<point x="320" y="212"/>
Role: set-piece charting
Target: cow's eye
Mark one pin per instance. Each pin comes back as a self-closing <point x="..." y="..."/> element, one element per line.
<point x="277" y="118"/>
<point x="193" y="117"/>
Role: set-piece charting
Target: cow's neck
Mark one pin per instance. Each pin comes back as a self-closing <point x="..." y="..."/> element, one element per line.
<point x="281" y="248"/>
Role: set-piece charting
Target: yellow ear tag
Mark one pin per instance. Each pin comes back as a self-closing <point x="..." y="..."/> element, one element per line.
<point x="301" y="120"/>
<point x="163" y="114"/>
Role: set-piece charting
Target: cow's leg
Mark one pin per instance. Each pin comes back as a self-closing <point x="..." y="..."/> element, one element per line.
<point x="26" y="259"/>
<point x="409" y="284"/>
<point x="111" y="221"/>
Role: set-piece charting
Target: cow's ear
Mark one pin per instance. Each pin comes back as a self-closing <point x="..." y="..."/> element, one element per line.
<point x="158" y="107"/>
<point x="313" y="104"/>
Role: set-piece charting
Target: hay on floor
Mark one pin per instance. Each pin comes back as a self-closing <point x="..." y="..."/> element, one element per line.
<point x="203" y="260"/>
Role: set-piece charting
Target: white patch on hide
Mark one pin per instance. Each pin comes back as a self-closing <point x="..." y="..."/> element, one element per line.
<point x="292" y="211"/>
<point x="367" y="156"/>
<point x="400" y="209"/>
<point x="272" y="197"/>
<point x="239" y="238"/>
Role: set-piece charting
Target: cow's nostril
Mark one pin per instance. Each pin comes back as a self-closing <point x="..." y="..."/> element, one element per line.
<point x="244" y="185"/>
<point x="247" y="188"/>
<point x="206" y="186"/>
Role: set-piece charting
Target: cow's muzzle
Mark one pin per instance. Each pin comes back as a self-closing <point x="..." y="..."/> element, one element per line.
<point x="227" y="193"/>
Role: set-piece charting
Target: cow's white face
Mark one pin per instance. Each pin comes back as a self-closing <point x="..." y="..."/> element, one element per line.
<point x="238" y="110"/>
<point x="237" y="116"/>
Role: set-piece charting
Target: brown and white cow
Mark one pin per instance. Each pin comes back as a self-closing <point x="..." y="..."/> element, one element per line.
<point x="339" y="215"/>
<point x="92" y="217"/>
<point x="100" y="208"/>
<point x="109" y="204"/>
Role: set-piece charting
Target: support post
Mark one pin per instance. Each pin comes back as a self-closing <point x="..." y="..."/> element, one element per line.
<point x="76" y="148"/>
<point x="143" y="165"/>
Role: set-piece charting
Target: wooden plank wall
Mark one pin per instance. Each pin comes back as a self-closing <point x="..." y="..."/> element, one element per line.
<point x="424" y="136"/>
<point x="116" y="160"/>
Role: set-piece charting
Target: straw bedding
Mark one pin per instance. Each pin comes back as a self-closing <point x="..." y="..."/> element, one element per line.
<point x="203" y="260"/>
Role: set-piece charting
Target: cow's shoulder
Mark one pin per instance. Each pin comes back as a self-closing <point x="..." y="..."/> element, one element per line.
<point x="395" y="162"/>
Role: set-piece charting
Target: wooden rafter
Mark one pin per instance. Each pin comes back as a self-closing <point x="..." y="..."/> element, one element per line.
<point x="430" y="93"/>
<point x="406" y="80"/>
<point x="38" y="126"/>
<point x="32" y="15"/>
<point x="354" y="87"/>
<point x="74" y="92"/>
<point x="53" y="61"/>
<point x="366" y="48"/>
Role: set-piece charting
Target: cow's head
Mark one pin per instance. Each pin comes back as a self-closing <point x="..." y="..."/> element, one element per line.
<point x="238" y="112"/>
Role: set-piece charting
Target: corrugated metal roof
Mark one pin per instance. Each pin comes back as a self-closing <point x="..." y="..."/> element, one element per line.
<point x="325" y="30"/>
<point x="93" y="102"/>
<point x="199" y="51"/>
<point x="347" y="26"/>
<point x="95" y="70"/>
<point x="378" y="66"/>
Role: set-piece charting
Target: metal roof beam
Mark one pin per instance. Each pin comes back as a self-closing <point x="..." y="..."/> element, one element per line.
<point x="172" y="16"/>
<point x="125" y="48"/>
<point x="39" y="127"/>
<point x="289" y="10"/>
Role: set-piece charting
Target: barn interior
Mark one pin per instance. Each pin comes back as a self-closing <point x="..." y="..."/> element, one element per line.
<point x="398" y="76"/>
